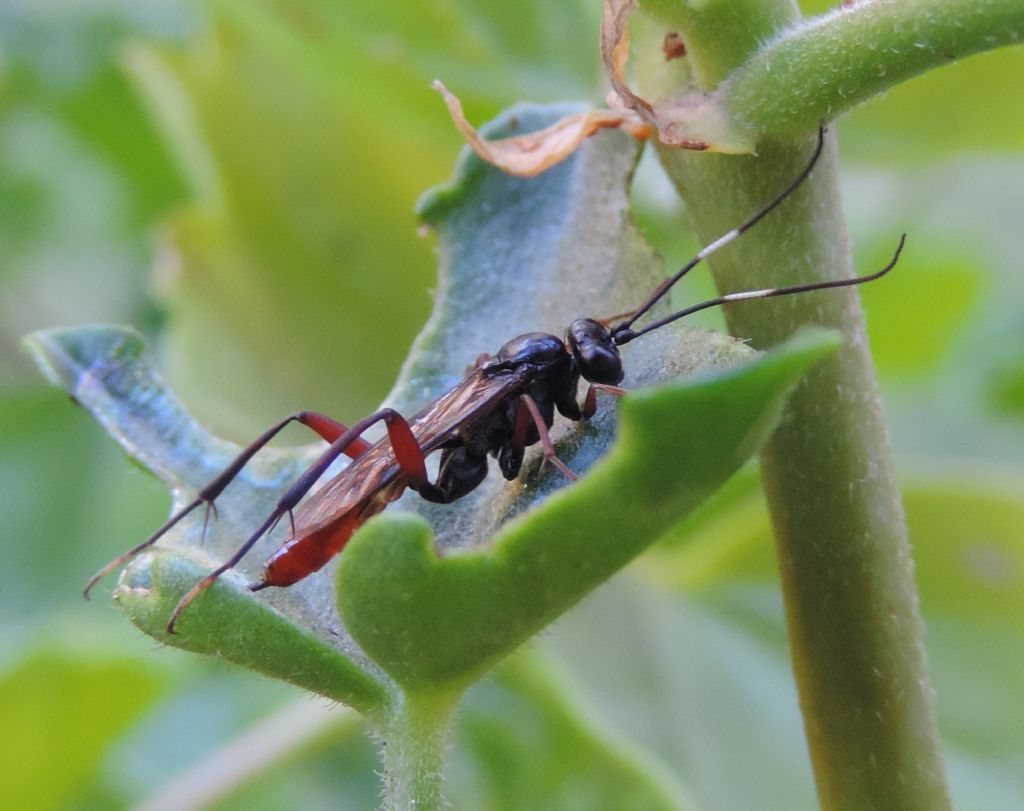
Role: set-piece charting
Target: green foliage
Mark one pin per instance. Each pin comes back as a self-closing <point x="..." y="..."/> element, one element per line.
<point x="62" y="708"/>
<point x="965" y="525"/>
<point x="533" y="739"/>
<point x="436" y="625"/>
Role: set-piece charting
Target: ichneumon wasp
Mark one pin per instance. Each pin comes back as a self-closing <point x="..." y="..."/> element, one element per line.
<point x="505" y="403"/>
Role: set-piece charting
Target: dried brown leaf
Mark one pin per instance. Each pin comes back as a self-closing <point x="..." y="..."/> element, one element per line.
<point x="531" y="154"/>
<point x="692" y="120"/>
<point x="615" y="54"/>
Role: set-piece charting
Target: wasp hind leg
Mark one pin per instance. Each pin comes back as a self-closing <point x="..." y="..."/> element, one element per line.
<point x="346" y="441"/>
<point x="323" y="425"/>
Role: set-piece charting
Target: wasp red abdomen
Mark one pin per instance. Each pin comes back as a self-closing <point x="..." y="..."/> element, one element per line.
<point x="299" y="557"/>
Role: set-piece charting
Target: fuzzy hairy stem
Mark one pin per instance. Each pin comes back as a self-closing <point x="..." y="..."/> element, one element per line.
<point x="854" y="625"/>
<point x="852" y="608"/>
<point x="774" y="75"/>
<point x="413" y="752"/>
<point x="785" y="89"/>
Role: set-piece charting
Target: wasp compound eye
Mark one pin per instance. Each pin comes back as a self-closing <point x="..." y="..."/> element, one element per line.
<point x="595" y="352"/>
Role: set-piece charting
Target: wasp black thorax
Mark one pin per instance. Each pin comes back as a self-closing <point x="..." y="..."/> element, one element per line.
<point x="552" y="372"/>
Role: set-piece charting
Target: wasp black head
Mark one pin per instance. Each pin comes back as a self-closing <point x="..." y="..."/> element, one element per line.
<point x="596" y="354"/>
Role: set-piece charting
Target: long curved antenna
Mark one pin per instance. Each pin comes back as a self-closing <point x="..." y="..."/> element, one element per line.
<point x="723" y="240"/>
<point x="625" y="336"/>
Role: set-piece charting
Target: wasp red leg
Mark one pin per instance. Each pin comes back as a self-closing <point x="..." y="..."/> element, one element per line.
<point x="607" y="321"/>
<point x="590" y="401"/>
<point x="522" y="425"/>
<point x="618" y="391"/>
<point x="327" y="428"/>
<point x="545" y="438"/>
<point x="407" y="452"/>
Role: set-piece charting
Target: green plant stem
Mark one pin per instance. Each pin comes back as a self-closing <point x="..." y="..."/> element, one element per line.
<point x="813" y="71"/>
<point x="817" y="71"/>
<point x="855" y="631"/>
<point x="413" y="752"/>
<point x="852" y="610"/>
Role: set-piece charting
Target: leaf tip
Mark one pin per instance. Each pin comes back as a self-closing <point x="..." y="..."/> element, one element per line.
<point x="67" y="355"/>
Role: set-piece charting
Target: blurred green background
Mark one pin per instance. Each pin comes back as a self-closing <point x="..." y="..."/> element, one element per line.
<point x="237" y="180"/>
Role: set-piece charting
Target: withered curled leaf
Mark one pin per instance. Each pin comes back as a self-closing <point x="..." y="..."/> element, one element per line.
<point x="531" y="154"/>
<point x="690" y="119"/>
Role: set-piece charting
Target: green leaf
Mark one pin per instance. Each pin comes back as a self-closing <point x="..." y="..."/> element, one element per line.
<point x="103" y="369"/>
